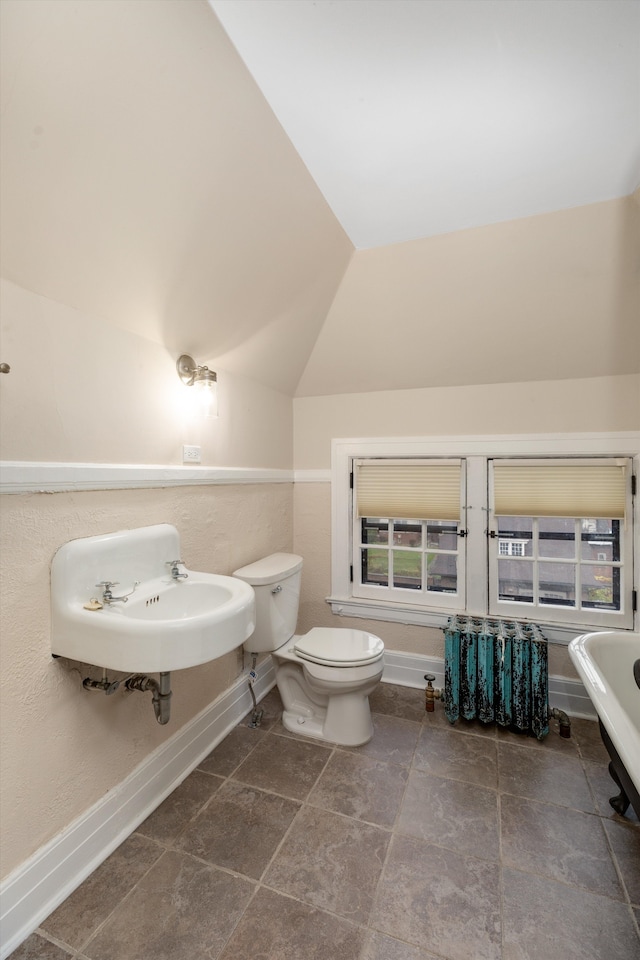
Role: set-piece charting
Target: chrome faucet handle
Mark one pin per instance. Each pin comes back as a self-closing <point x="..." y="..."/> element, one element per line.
<point x="108" y="597"/>
<point x="107" y="584"/>
<point x="175" y="574"/>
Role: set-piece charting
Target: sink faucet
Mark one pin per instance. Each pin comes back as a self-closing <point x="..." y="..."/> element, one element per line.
<point x="175" y="573"/>
<point x="108" y="597"/>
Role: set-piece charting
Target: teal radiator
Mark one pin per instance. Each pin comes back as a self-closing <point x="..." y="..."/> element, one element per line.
<point x="497" y="670"/>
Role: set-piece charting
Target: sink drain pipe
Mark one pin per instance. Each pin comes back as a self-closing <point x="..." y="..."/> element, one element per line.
<point x="139" y="681"/>
<point x="161" y="693"/>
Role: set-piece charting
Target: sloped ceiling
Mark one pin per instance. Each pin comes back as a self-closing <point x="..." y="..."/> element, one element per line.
<point x="481" y="155"/>
<point x="146" y="182"/>
<point x="423" y="117"/>
<point x="150" y="180"/>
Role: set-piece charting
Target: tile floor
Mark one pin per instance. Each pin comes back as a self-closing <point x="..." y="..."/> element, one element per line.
<point x="431" y="841"/>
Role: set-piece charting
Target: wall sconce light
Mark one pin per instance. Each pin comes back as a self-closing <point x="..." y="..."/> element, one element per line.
<point x="204" y="380"/>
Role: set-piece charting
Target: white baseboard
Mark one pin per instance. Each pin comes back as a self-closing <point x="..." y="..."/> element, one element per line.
<point x="408" y="670"/>
<point x="47" y="878"/>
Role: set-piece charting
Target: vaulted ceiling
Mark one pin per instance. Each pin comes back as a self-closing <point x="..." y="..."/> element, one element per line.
<point x="423" y="117"/>
<point x="206" y="189"/>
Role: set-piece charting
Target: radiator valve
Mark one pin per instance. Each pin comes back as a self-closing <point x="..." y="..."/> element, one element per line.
<point x="430" y="694"/>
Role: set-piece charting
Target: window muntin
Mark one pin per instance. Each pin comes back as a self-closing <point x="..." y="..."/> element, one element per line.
<point x="405" y="557"/>
<point x="552" y="569"/>
<point x="563" y="568"/>
<point x="575" y="568"/>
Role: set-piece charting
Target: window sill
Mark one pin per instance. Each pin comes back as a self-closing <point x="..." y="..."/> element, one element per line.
<point x="418" y="616"/>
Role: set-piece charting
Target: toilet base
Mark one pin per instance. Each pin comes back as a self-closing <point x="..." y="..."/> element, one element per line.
<point x="342" y="718"/>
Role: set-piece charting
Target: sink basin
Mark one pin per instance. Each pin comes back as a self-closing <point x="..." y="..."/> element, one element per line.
<point x="164" y="625"/>
<point x="179" y="601"/>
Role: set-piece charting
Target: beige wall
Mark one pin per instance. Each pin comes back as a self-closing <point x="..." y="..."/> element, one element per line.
<point x="551" y="297"/>
<point x="151" y="206"/>
<point x="591" y="405"/>
<point x="62" y="747"/>
<point x="82" y="390"/>
<point x="604" y="404"/>
<point x="147" y="182"/>
<point x="312" y="540"/>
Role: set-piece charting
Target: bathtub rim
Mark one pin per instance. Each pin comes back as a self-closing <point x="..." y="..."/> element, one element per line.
<point x="624" y="735"/>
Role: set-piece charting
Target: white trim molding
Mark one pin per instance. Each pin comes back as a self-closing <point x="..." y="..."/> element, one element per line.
<point x="389" y="612"/>
<point x="474" y="448"/>
<point x="47" y="878"/>
<point x="22" y="476"/>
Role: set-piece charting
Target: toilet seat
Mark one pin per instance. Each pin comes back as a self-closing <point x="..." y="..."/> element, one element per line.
<point x="339" y="647"/>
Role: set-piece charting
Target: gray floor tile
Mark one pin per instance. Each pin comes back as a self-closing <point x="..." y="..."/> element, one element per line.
<point x="587" y="735"/>
<point x="361" y="787"/>
<point x="625" y="843"/>
<point x="447" y="753"/>
<point x="240" y="829"/>
<point x="381" y="947"/>
<point x="559" y="843"/>
<point x="543" y="775"/>
<point x="230" y="753"/>
<point x="474" y="727"/>
<point x="283" y="765"/>
<point x="36" y="947"/>
<point x="166" y="822"/>
<point x="393" y="741"/>
<point x="430" y="896"/>
<point x="389" y="851"/>
<point x="86" y="908"/>
<point x="395" y="701"/>
<point x="182" y="908"/>
<point x="451" y="814"/>
<point x="545" y="919"/>
<point x="280" y="928"/>
<point x="330" y="862"/>
<point x="603" y="788"/>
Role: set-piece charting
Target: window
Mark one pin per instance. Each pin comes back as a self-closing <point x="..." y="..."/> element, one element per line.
<point x="554" y="510"/>
<point x="511" y="548"/>
<point x="415" y="551"/>
<point x="548" y="539"/>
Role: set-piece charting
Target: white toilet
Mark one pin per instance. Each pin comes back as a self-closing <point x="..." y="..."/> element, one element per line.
<point x="324" y="676"/>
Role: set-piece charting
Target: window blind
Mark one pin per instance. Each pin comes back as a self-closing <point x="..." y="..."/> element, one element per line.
<point x="560" y="489"/>
<point x="408" y="489"/>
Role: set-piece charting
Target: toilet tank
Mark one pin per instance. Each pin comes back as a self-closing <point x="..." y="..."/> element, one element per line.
<point x="276" y="583"/>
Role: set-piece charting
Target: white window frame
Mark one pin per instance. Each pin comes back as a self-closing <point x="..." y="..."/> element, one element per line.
<point x="597" y="619"/>
<point x="510" y="544"/>
<point x="476" y="451"/>
<point x="423" y="597"/>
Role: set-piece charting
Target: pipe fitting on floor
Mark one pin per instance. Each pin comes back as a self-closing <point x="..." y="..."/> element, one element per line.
<point x="161" y="693"/>
<point x="564" y="720"/>
<point x="431" y="694"/>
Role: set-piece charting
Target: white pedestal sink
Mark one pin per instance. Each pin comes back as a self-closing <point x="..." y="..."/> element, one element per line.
<point x="165" y="624"/>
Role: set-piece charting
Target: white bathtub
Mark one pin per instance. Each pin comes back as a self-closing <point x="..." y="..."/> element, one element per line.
<point x="605" y="663"/>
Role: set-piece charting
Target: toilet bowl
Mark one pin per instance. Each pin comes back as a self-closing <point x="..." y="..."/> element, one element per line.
<point x="326" y="695"/>
<point x="324" y="676"/>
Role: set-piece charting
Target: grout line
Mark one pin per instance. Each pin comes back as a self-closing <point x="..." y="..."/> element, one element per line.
<point x="87" y="943"/>
<point x="368" y="926"/>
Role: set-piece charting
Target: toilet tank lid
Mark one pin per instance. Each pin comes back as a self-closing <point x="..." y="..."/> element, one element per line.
<point x="278" y="566"/>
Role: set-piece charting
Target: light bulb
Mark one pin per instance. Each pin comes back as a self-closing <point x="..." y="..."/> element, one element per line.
<point x="207" y="397"/>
